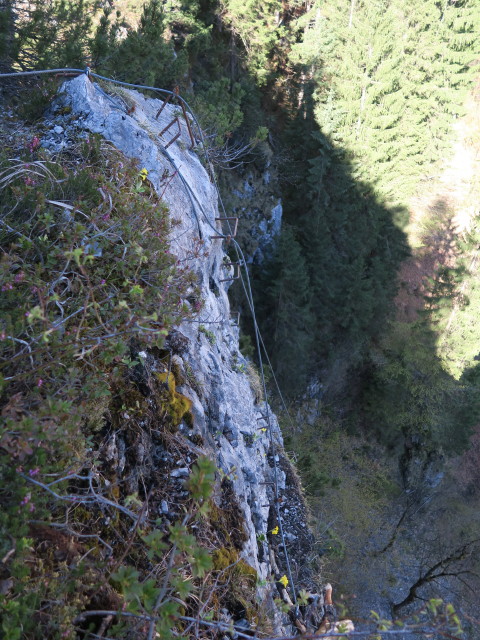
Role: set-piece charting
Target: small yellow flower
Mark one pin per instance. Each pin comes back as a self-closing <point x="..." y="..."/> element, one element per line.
<point x="263" y="429"/>
<point x="284" y="580"/>
<point x="143" y="174"/>
<point x="274" y="531"/>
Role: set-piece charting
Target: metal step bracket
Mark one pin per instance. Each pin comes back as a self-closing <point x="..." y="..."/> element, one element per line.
<point x="176" y="94"/>
<point x="236" y="271"/>
<point x="167" y="100"/>
<point x="176" y="136"/>
<point x="229" y="236"/>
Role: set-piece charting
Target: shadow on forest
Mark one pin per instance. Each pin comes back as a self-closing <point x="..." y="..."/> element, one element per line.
<point x="430" y="271"/>
<point x="374" y="353"/>
<point x="343" y="303"/>
<point x="328" y="290"/>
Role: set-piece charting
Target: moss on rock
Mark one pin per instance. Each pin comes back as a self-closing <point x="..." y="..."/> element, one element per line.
<point x="241" y="579"/>
<point x="177" y="406"/>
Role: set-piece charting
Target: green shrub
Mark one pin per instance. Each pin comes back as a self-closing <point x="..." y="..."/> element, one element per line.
<point x="218" y="105"/>
<point x="87" y="277"/>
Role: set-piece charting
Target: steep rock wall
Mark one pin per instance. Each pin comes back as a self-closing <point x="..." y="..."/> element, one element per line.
<point x="225" y="412"/>
<point x="229" y="417"/>
<point x="252" y="192"/>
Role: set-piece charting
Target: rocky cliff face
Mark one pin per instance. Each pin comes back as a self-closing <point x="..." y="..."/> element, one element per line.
<point x="252" y="193"/>
<point x="229" y="415"/>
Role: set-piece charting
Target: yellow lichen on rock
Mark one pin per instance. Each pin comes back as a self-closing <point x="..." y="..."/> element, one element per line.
<point x="167" y="379"/>
<point x="176" y="405"/>
<point x="229" y="559"/>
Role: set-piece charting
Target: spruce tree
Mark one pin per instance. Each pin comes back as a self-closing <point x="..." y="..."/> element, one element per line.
<point x="51" y="33"/>
<point x="257" y="26"/>
<point x="390" y="77"/>
<point x="284" y="299"/>
<point x="145" y="56"/>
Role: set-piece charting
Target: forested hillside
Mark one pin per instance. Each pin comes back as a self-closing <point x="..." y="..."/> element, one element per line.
<point x="368" y="300"/>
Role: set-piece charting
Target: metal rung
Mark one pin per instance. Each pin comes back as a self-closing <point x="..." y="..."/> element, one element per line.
<point x="165" y="102"/>
<point x="176" y="91"/>
<point x="236" y="272"/>
<point x="232" y="235"/>
<point x="228" y="236"/>
<point x="176" y="136"/>
<point x="173" y="139"/>
<point x="176" y="94"/>
<point x="175" y="120"/>
<point x="189" y="127"/>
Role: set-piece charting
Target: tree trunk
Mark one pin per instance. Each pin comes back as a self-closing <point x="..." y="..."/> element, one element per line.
<point x="7" y="32"/>
<point x="352" y="9"/>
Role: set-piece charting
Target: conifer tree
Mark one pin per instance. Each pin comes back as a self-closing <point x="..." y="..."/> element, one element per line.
<point x="145" y="56"/>
<point x="350" y="243"/>
<point x="288" y="329"/>
<point x="392" y="77"/>
<point x="188" y="25"/>
<point x="50" y="33"/>
<point x="257" y="26"/>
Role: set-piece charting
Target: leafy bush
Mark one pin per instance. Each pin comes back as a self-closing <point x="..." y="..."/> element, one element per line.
<point x="88" y="289"/>
<point x="85" y="268"/>
<point x="87" y="278"/>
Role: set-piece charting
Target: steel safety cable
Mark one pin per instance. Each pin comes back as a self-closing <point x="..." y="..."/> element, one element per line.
<point x="277" y="386"/>
<point x="258" y="339"/>
<point x="248" y="294"/>
<point x="241" y="260"/>
<point x="87" y="71"/>
<point x="14" y="74"/>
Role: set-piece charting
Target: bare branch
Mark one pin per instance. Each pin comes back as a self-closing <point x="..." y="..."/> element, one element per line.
<point x="94" y="498"/>
<point x="65" y="527"/>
